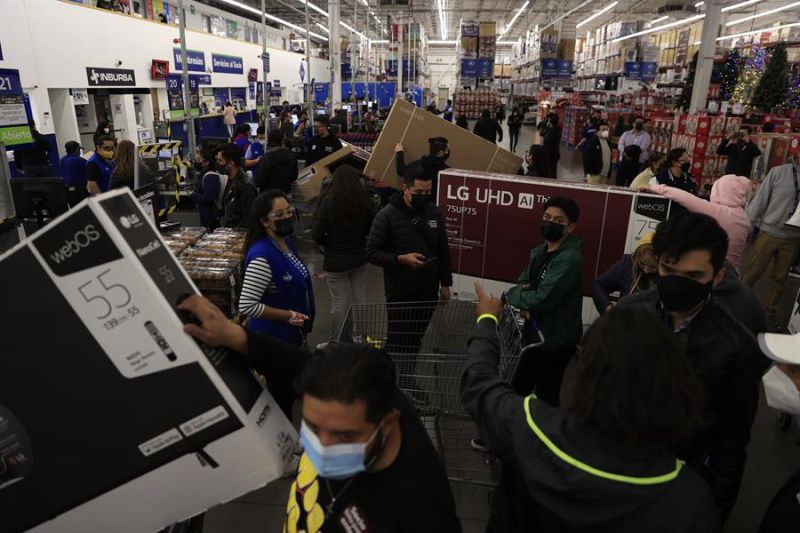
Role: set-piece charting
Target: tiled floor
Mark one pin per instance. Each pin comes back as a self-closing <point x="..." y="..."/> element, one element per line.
<point x="773" y="454"/>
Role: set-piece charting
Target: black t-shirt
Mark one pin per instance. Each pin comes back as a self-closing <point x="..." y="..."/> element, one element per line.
<point x="411" y="495"/>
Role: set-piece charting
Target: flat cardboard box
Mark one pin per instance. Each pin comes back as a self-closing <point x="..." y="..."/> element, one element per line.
<point x="488" y="29"/>
<point x="309" y="180"/>
<point x="412" y="126"/>
<point x="112" y="418"/>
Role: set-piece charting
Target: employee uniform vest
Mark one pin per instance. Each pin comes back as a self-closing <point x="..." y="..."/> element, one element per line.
<point x="290" y="289"/>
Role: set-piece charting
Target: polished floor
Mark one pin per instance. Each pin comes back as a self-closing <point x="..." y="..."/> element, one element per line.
<point x="773" y="455"/>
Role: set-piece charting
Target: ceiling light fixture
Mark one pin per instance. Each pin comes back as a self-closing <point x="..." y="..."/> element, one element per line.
<point x="442" y="19"/>
<point x="604" y="10"/>
<point x="443" y="41"/>
<point x="324" y="27"/>
<point x="506" y="43"/>
<point x="379" y="41"/>
<point x="659" y="19"/>
<point x="245" y="7"/>
<point x="660" y="28"/>
<point x="755" y="32"/>
<point x="314" y="7"/>
<point x="352" y="30"/>
<point x="698" y="4"/>
<point x="565" y="15"/>
<point x="740" y="4"/>
<point x="764" y="14"/>
<point x="514" y="18"/>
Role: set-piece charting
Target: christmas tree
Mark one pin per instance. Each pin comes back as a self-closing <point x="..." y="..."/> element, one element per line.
<point x="749" y="77"/>
<point x="685" y="98"/>
<point x="730" y="73"/>
<point x="774" y="84"/>
<point x="793" y="94"/>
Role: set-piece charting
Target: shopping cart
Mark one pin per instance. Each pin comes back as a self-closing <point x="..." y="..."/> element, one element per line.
<point x="427" y="342"/>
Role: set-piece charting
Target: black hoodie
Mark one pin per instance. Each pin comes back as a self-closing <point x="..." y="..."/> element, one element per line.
<point x="277" y="170"/>
<point x="576" y="480"/>
<point x="432" y="165"/>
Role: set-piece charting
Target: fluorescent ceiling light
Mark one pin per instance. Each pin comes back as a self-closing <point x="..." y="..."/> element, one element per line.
<point x="764" y="14"/>
<point x="379" y="41"/>
<point x="740" y="4"/>
<point x="245" y="7"/>
<point x="365" y="2"/>
<point x="514" y="18"/>
<point x="352" y="30"/>
<point x="698" y="4"/>
<point x="442" y="19"/>
<point x="443" y="41"/>
<point x="659" y="28"/>
<point x="323" y="27"/>
<point x="314" y="7"/>
<point x="565" y="15"/>
<point x="697" y="43"/>
<point x="659" y="19"/>
<point x="762" y="30"/>
<point x="604" y="10"/>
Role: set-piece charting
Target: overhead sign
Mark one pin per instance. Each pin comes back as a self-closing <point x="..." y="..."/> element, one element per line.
<point x="227" y="64"/>
<point x="633" y="70"/>
<point x="649" y="71"/>
<point x="14" y="117"/>
<point x="564" y="68"/>
<point x="110" y="77"/>
<point x="302" y="73"/>
<point x="265" y="61"/>
<point x="549" y="68"/>
<point x="195" y="59"/>
<point x="469" y="68"/>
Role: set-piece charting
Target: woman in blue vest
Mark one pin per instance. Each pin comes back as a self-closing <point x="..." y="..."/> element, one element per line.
<point x="277" y="295"/>
<point x="100" y="165"/>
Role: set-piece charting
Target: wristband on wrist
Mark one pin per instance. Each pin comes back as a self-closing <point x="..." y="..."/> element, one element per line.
<point x="488" y="315"/>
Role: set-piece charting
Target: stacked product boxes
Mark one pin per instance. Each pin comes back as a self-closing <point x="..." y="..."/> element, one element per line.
<point x="701" y="135"/>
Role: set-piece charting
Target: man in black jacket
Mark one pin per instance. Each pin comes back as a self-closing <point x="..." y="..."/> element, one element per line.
<point x="551" y="140"/>
<point x="324" y="142"/>
<point x="597" y="156"/>
<point x="237" y="201"/>
<point x="741" y="152"/>
<point x="349" y="398"/>
<point x="488" y="128"/>
<point x="408" y="239"/>
<point x="278" y="167"/>
<point x="691" y="249"/>
<point x="432" y="163"/>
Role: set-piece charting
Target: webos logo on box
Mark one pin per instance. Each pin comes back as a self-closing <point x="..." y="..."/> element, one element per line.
<point x="76" y="243"/>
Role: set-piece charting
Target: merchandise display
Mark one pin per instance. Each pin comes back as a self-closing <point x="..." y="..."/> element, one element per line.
<point x="471" y="102"/>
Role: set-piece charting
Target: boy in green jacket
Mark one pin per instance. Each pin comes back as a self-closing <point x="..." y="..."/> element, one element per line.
<point x="549" y="294"/>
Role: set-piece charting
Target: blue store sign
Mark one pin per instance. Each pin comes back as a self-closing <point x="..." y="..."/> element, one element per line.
<point x="227" y="64"/>
<point x="486" y="68"/>
<point x="195" y="58"/>
<point x="564" y="68"/>
<point x="549" y="68"/>
<point x="469" y="68"/>
<point x="633" y="70"/>
<point x="649" y="71"/>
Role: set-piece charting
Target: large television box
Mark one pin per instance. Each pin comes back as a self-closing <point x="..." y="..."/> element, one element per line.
<point x="412" y="126"/>
<point x="111" y="417"/>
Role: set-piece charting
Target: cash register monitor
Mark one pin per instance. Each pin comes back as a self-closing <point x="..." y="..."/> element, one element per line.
<point x="39" y="198"/>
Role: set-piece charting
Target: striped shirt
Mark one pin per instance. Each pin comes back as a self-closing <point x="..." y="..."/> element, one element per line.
<point x="258" y="281"/>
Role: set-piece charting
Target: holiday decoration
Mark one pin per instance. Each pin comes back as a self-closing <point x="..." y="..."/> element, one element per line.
<point x="729" y="74"/>
<point x="749" y="77"/>
<point x="792" y="100"/>
<point x="774" y="84"/>
<point x="685" y="98"/>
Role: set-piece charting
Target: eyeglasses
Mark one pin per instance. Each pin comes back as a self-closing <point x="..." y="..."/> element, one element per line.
<point x="282" y="213"/>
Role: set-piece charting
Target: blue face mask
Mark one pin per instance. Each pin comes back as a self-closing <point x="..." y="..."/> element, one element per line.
<point x="338" y="461"/>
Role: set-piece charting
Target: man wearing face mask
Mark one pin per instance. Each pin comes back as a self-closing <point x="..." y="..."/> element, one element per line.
<point x="239" y="192"/>
<point x="208" y="196"/>
<point x="408" y="239"/>
<point x="690" y="249"/>
<point x="782" y="392"/>
<point x="255" y="151"/>
<point x="638" y="137"/>
<point x="433" y="163"/>
<point x="549" y="293"/>
<point x="368" y="464"/>
<point x="597" y="156"/>
<point x="100" y="165"/>
<point x="741" y="151"/>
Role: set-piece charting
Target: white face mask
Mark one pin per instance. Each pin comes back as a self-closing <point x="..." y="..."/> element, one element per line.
<point x="781" y="392"/>
<point x="106" y="130"/>
<point x="603" y="134"/>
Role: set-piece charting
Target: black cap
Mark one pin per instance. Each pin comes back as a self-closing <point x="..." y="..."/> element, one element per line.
<point x="72" y="146"/>
<point x="437" y="144"/>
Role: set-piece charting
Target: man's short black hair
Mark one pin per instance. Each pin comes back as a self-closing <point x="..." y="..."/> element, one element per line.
<point x="323" y="119"/>
<point x="437" y="144"/>
<point x="602" y="123"/>
<point x="275" y="138"/>
<point x="261" y="130"/>
<point x="346" y="373"/>
<point x="230" y="152"/>
<point x="567" y="205"/>
<point x="244" y="127"/>
<point x="104" y="138"/>
<point x="685" y="232"/>
<point x="414" y="172"/>
<point x="748" y="129"/>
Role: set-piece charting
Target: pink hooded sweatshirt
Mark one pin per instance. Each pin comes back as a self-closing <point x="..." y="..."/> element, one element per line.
<point x="728" y="196"/>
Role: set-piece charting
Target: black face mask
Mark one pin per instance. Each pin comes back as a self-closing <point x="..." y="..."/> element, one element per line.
<point x="445" y="156"/>
<point x="199" y="167"/>
<point x="551" y="231"/>
<point x="685" y="166"/>
<point x="420" y="201"/>
<point x="284" y="227"/>
<point x="222" y="169"/>
<point x="680" y="294"/>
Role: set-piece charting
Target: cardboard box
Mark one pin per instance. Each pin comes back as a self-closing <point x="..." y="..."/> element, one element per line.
<point x="488" y="29"/>
<point x="309" y="180"/>
<point x="113" y="419"/>
<point x="411" y="126"/>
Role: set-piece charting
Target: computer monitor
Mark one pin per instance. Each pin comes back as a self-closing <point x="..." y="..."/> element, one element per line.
<point x="253" y="127"/>
<point x="295" y="120"/>
<point x="39" y="198"/>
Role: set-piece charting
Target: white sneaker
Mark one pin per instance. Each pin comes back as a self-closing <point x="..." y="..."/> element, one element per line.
<point x="321" y="345"/>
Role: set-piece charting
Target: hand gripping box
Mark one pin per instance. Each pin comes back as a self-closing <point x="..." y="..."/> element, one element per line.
<point x="111" y="417"/>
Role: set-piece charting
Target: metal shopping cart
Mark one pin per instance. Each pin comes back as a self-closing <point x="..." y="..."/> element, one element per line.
<point x="427" y="342"/>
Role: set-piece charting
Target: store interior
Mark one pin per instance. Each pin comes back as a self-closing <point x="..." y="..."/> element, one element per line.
<point x="178" y="78"/>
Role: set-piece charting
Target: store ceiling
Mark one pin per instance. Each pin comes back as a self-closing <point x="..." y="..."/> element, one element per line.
<point x="539" y="12"/>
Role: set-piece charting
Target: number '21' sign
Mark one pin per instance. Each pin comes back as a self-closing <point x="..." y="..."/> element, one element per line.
<point x="9" y="82"/>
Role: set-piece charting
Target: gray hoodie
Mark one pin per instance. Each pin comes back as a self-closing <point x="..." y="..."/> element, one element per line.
<point x="775" y="202"/>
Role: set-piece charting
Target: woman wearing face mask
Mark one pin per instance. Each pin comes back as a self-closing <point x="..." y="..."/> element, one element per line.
<point x="210" y="189"/>
<point x="100" y="165"/>
<point x="277" y="295"/>
<point x="675" y="172"/>
<point x="632" y="273"/>
<point x="644" y="178"/>
<point x="103" y="128"/>
<point x="728" y="198"/>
